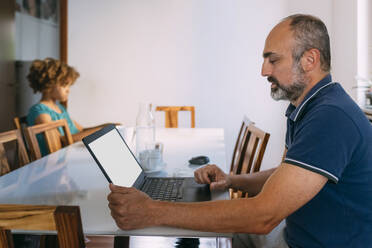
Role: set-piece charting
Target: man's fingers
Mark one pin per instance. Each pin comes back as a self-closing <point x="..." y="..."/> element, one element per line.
<point x="205" y="177"/>
<point x="119" y="189"/>
<point x="115" y="198"/>
<point x="120" y="198"/>
<point x="201" y="176"/>
<point x="114" y="212"/>
<point x="218" y="185"/>
<point x="197" y="176"/>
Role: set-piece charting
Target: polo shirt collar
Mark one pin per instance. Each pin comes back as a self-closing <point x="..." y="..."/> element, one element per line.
<point x="293" y="113"/>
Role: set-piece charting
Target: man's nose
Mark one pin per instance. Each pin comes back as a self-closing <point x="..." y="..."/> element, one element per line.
<point x="265" y="70"/>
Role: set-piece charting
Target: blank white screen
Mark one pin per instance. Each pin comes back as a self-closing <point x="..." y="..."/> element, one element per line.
<point x="116" y="159"/>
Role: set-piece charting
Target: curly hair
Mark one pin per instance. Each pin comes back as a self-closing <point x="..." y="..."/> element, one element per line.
<point x="45" y="74"/>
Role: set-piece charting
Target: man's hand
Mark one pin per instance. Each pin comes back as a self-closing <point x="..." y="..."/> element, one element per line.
<point x="130" y="208"/>
<point x="214" y="176"/>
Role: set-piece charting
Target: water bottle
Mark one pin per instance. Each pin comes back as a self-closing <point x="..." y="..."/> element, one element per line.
<point x="145" y="130"/>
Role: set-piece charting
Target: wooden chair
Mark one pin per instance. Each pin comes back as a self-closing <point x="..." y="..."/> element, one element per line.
<point x="171" y="115"/>
<point x="8" y="137"/>
<point x="53" y="139"/>
<point x="238" y="149"/>
<point x="20" y="122"/>
<point x="248" y="153"/>
<point x="65" y="220"/>
<point x="369" y="115"/>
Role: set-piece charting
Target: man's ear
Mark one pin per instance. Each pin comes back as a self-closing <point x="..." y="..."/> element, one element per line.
<point x="310" y="60"/>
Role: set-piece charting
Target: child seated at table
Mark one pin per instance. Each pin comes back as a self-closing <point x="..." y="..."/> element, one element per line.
<point x="53" y="78"/>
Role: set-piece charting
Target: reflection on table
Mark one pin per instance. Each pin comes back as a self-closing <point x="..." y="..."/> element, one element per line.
<point x="71" y="177"/>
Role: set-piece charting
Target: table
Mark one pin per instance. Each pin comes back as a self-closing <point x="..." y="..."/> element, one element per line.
<point x="71" y="177"/>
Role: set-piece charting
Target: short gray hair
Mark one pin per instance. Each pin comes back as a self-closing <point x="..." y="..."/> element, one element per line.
<point x="310" y="32"/>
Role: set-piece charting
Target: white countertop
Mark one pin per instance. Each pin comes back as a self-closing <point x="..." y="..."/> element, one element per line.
<point x="71" y="177"/>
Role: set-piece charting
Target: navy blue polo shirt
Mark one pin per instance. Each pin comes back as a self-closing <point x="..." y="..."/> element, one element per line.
<point x="330" y="135"/>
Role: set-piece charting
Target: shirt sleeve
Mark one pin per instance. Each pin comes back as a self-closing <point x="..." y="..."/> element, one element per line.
<point x="34" y="112"/>
<point x="324" y="143"/>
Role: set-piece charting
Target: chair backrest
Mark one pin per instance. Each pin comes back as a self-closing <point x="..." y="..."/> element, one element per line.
<point x="369" y="115"/>
<point x="171" y="115"/>
<point x="53" y="139"/>
<point x="65" y="220"/>
<point x="255" y="150"/>
<point x="238" y="149"/>
<point x="249" y="152"/>
<point x="20" y="122"/>
<point x="6" y="137"/>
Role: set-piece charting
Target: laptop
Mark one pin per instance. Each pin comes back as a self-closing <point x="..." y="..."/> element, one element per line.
<point x="120" y="167"/>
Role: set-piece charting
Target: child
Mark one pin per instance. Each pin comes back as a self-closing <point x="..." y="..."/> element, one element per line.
<point x="53" y="79"/>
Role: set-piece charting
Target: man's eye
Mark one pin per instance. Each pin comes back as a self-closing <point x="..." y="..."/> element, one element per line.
<point x="273" y="61"/>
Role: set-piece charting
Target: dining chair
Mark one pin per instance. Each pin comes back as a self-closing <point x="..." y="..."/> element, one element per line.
<point x="369" y="115"/>
<point x="5" y="137"/>
<point x="171" y="115"/>
<point x="20" y="122"/>
<point x="65" y="220"/>
<point x="53" y="139"/>
<point x="238" y="149"/>
<point x="248" y="152"/>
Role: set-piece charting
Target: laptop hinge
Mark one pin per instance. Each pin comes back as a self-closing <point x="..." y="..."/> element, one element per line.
<point x="140" y="180"/>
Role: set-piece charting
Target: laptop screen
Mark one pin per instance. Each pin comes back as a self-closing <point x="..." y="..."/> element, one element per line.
<point x="116" y="158"/>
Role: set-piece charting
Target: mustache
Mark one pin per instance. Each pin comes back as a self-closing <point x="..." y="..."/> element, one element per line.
<point x="273" y="80"/>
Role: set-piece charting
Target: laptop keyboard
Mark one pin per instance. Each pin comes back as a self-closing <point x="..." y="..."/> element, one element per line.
<point x="164" y="189"/>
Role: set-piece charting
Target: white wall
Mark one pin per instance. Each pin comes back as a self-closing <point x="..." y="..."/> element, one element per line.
<point x="203" y="53"/>
<point x="364" y="58"/>
<point x="345" y="53"/>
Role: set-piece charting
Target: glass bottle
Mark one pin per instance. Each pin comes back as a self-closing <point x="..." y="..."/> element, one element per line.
<point x="145" y="128"/>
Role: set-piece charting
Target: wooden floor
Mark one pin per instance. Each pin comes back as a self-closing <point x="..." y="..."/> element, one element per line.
<point x="157" y="242"/>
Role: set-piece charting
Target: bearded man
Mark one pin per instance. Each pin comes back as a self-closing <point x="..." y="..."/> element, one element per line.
<point x="323" y="187"/>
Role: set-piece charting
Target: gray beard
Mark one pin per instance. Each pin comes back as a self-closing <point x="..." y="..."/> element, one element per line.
<point x="292" y="92"/>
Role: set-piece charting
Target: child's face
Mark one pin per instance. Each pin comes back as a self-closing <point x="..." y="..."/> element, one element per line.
<point x="60" y="93"/>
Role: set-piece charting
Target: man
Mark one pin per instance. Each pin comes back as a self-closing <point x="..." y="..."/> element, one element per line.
<point x="323" y="187"/>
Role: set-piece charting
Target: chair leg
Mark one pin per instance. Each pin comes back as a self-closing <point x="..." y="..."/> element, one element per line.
<point x="48" y="241"/>
<point x="121" y="242"/>
<point x="6" y="239"/>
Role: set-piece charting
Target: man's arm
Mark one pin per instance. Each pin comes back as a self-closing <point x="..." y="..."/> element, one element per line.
<point x="284" y="154"/>
<point x="217" y="179"/>
<point x="251" y="183"/>
<point x="288" y="189"/>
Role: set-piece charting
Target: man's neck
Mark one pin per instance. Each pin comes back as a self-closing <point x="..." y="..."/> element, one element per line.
<point x="313" y="80"/>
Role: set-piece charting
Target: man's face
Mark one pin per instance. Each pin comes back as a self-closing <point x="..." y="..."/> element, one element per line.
<point x="287" y="78"/>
